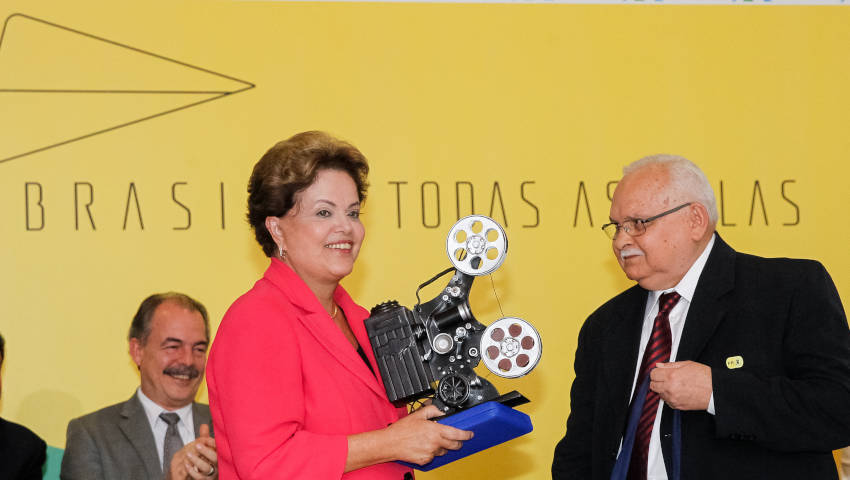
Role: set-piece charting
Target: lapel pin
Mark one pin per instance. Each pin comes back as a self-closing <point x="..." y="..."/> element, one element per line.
<point x="735" y="362"/>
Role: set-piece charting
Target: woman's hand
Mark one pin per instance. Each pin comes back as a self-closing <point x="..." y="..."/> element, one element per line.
<point x="413" y="439"/>
<point x="416" y="439"/>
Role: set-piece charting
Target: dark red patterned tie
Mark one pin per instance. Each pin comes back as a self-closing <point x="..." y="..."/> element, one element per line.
<point x="657" y="351"/>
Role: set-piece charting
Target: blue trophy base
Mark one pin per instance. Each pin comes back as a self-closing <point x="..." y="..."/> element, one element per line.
<point x="492" y="422"/>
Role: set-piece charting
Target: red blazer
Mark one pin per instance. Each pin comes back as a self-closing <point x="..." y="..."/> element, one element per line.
<point x="286" y="388"/>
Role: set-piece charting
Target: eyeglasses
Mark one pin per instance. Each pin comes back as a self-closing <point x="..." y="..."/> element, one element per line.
<point x="637" y="226"/>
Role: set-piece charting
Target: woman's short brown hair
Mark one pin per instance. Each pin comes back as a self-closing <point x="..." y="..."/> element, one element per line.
<point x="291" y="166"/>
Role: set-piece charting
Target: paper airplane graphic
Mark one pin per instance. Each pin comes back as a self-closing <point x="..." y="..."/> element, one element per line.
<point x="59" y="85"/>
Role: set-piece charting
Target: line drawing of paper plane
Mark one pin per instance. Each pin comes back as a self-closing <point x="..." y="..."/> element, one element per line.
<point x="59" y="85"/>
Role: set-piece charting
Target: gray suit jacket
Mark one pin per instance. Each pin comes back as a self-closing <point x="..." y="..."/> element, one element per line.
<point x="116" y="443"/>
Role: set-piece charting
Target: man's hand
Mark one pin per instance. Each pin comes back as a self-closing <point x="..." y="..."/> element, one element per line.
<point x="196" y="460"/>
<point x="682" y="385"/>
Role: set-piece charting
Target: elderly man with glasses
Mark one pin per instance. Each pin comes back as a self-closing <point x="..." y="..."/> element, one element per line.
<point x="717" y="364"/>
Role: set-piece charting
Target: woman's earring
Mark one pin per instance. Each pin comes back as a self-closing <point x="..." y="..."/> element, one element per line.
<point x="282" y="252"/>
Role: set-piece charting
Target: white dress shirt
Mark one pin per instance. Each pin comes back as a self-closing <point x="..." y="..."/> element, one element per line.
<point x="186" y="425"/>
<point x="686" y="288"/>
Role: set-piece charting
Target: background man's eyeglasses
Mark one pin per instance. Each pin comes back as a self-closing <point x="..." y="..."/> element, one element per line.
<point x="637" y="226"/>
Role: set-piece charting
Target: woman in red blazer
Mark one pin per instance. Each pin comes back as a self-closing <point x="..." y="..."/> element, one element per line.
<point x="294" y="388"/>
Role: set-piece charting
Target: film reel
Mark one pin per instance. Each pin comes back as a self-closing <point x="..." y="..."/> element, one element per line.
<point x="510" y="347"/>
<point x="476" y="245"/>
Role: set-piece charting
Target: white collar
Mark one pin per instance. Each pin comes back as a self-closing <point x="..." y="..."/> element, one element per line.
<point x="153" y="409"/>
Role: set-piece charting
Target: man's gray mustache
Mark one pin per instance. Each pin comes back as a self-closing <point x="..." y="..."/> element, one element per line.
<point x="629" y="252"/>
<point x="187" y="370"/>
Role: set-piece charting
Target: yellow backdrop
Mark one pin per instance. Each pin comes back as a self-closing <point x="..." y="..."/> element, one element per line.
<point x="128" y="131"/>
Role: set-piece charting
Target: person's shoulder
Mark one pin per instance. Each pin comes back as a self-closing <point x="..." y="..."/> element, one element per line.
<point x="783" y="268"/>
<point x="20" y="435"/>
<point x="107" y="414"/>
<point x="624" y="301"/>
<point x="262" y="295"/>
<point x="259" y="315"/>
<point x="780" y="277"/>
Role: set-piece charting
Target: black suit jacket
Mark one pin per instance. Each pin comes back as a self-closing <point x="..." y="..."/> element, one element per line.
<point x="778" y="416"/>
<point x="22" y="453"/>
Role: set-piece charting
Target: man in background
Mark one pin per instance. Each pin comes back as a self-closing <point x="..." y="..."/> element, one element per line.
<point x="22" y="453"/>
<point x="753" y="353"/>
<point x="160" y="432"/>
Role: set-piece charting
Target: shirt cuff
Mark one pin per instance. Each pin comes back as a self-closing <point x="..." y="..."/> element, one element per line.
<point x="710" y="408"/>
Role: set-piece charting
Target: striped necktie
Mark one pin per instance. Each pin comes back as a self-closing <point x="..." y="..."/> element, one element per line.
<point x="657" y="351"/>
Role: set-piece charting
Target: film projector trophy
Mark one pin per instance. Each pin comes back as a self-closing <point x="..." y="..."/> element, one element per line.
<point x="431" y="350"/>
